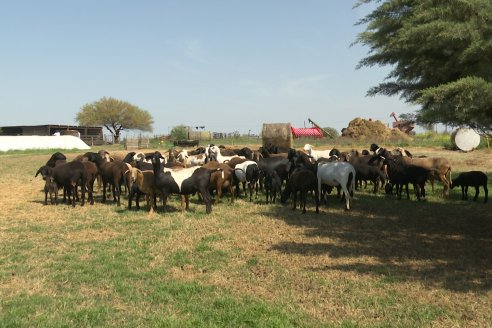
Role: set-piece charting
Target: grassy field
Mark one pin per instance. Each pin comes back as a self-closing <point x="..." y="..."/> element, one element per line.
<point x="386" y="263"/>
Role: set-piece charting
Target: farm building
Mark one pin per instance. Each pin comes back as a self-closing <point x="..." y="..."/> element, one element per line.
<point x="91" y="135"/>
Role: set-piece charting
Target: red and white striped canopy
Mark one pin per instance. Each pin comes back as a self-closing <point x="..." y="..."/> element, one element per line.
<point x="307" y="132"/>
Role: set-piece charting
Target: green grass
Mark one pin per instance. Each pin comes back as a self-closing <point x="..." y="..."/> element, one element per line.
<point x="385" y="263"/>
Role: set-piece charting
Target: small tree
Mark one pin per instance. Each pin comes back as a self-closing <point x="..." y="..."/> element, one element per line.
<point x="179" y="132"/>
<point x="116" y="116"/>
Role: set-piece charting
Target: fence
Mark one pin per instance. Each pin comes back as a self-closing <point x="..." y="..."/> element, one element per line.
<point x="136" y="143"/>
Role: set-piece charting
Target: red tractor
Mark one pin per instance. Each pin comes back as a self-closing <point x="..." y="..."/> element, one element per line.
<point x="402" y="125"/>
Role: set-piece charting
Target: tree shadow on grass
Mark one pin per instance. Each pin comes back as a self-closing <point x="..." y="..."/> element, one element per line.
<point x="445" y="243"/>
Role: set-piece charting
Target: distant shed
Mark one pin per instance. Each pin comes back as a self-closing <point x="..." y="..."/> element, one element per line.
<point x="92" y="135"/>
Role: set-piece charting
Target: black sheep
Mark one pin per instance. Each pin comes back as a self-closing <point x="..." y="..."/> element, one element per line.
<point x="68" y="176"/>
<point x="273" y="185"/>
<point x="471" y="179"/>
<point x="372" y="173"/>
<point x="302" y="180"/>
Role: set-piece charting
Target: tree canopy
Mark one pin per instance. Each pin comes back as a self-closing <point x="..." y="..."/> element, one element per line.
<point x="441" y="57"/>
<point x="116" y="115"/>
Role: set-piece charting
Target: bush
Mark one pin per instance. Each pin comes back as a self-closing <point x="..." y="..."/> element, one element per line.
<point x="179" y="133"/>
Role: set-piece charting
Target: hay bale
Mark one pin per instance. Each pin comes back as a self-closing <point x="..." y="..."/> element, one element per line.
<point x="465" y="139"/>
<point x="278" y="134"/>
<point x="362" y="129"/>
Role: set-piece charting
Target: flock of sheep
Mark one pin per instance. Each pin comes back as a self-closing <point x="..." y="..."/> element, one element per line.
<point x="275" y="170"/>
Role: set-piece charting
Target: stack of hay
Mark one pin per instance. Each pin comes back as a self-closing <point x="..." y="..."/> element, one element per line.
<point x="361" y="129"/>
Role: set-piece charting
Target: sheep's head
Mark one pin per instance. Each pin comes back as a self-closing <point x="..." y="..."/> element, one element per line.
<point x="45" y="172"/>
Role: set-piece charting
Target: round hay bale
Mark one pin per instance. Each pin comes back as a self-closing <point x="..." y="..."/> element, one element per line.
<point x="465" y="139"/>
<point x="278" y="134"/>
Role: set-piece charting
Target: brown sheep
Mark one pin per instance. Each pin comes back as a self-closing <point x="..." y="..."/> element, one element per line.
<point x="221" y="179"/>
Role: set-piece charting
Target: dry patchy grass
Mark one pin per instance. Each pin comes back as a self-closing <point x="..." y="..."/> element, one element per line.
<point x="385" y="263"/>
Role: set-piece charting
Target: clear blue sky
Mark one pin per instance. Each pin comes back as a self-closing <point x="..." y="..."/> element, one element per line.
<point x="228" y="65"/>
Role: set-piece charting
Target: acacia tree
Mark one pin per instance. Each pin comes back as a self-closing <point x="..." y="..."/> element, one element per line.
<point x="115" y="115"/>
<point x="440" y="53"/>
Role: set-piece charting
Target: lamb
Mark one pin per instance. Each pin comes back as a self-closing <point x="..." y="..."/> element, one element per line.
<point x="471" y="179"/>
<point x="302" y="180"/>
<point x="51" y="188"/>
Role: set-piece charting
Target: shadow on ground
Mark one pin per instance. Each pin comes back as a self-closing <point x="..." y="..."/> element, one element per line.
<point x="446" y="244"/>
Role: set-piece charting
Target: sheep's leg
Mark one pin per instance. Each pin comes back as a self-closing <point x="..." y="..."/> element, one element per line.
<point x="266" y="193"/>
<point x="417" y="190"/>
<point x="104" y="192"/>
<point x="250" y="187"/>
<point x="347" y="197"/>
<point x="73" y="187"/>
<point x="303" y="200"/>
<point x="294" y="199"/>
<point x="466" y="192"/>
<point x="91" y="191"/>
<point x="486" y="193"/>
<point x="462" y="192"/>
<point x="316" y="199"/>
<point x="476" y="194"/>
<point x="46" y="197"/>
<point x="218" y="193"/>
<point x="130" y="198"/>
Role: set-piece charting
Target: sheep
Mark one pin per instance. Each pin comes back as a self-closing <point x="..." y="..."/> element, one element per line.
<point x="273" y="185"/>
<point x="215" y="154"/>
<point x="113" y="173"/>
<point x="401" y="173"/>
<point x="315" y="154"/>
<point x="281" y="165"/>
<point x="302" y="180"/>
<point x="51" y="188"/>
<point x="368" y="172"/>
<point x="56" y="159"/>
<point x="471" y="179"/>
<point x="439" y="166"/>
<point x="337" y="174"/>
<point x="92" y="174"/>
<point x="142" y="182"/>
<point x="191" y="160"/>
<point x="268" y="154"/>
<point x="184" y="181"/>
<point x="247" y="172"/>
<point x="69" y="176"/>
<point x="221" y="179"/>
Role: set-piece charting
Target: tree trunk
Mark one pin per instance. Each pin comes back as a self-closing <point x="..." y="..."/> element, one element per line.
<point x="116" y="137"/>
